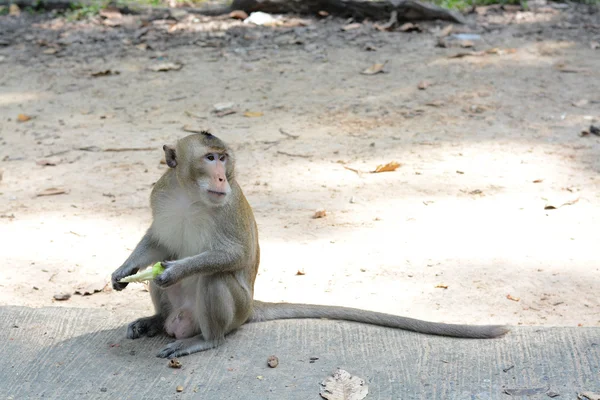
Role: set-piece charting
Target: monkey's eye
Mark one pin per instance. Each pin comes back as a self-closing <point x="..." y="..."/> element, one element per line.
<point x="222" y="157"/>
<point x="210" y="157"/>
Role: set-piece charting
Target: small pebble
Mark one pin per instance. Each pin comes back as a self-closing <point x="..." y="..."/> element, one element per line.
<point x="273" y="361"/>
<point x="62" y="296"/>
<point x="179" y="388"/>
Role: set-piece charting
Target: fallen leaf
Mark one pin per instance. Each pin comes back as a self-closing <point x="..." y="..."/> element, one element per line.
<point x="435" y="103"/>
<point x="410" y="27"/>
<point x="446" y="31"/>
<point x="580" y="103"/>
<point x="350" y="27"/>
<point x="300" y="272"/>
<point x="106" y="72"/>
<point x="320" y="213"/>
<point x="508" y="296"/>
<point x="165" y="66"/>
<point x="174" y="363"/>
<point x="460" y="172"/>
<point x="476" y="191"/>
<point x="191" y="129"/>
<point x="52" y="192"/>
<point x="343" y="386"/>
<point x="589" y="396"/>
<point x="238" y="14"/>
<point x="86" y="289"/>
<point x="62" y="296"/>
<point x="441" y="286"/>
<point x="373" y="69"/>
<point x="562" y="67"/>
<point x="424" y="85"/>
<point x="253" y="114"/>
<point x="391" y="166"/>
<point x="272" y="361"/>
<point x="23" y="117"/>
<point x="14" y="10"/>
<point x="47" y="162"/>
<point x="538" y="181"/>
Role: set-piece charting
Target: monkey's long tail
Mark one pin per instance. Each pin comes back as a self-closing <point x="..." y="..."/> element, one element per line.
<point x="273" y="311"/>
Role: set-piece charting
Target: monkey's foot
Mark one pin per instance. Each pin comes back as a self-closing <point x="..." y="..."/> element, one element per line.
<point x="183" y="347"/>
<point x="148" y="326"/>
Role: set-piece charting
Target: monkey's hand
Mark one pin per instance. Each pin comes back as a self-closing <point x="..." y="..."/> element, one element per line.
<point x="169" y="276"/>
<point x="120" y="273"/>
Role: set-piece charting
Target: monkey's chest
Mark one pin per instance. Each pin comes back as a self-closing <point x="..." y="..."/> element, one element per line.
<point x="183" y="231"/>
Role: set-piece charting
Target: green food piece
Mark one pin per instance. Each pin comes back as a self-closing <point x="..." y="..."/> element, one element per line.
<point x="146" y="275"/>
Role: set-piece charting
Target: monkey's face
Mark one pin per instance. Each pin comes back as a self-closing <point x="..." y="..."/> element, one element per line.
<point x="209" y="175"/>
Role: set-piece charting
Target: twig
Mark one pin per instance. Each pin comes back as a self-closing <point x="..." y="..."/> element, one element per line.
<point x="353" y="170"/>
<point x="120" y="149"/>
<point x="288" y="134"/>
<point x="293" y="155"/>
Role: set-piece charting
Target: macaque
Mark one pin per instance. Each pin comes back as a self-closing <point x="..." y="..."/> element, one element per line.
<point x="204" y="233"/>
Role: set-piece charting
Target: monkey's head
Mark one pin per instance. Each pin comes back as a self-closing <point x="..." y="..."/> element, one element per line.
<point x="204" y="167"/>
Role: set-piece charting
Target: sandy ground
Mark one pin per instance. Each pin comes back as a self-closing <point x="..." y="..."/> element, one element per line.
<point x="484" y="149"/>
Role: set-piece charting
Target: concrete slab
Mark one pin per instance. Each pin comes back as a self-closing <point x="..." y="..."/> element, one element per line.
<point x="67" y="353"/>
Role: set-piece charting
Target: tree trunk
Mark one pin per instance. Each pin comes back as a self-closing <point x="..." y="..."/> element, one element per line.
<point x="407" y="10"/>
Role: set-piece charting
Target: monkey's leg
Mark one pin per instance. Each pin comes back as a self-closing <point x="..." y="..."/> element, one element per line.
<point x="183" y="347"/>
<point x="147" y="326"/>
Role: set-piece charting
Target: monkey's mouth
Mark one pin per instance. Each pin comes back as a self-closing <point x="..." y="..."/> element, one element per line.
<point x="216" y="193"/>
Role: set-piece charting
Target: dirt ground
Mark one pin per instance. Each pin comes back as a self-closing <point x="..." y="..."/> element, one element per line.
<point x="486" y="148"/>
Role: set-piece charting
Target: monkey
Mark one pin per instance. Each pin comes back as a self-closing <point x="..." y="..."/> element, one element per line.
<point x="204" y="233"/>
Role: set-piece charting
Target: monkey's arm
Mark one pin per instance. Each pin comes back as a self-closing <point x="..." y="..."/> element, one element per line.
<point x="206" y="263"/>
<point x="145" y="253"/>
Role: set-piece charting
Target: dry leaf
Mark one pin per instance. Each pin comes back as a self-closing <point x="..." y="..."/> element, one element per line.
<point x="588" y="396"/>
<point x="272" y="361"/>
<point x="562" y="67"/>
<point x="106" y="72"/>
<point x="174" y="363"/>
<point x="424" y="85"/>
<point x="52" y="192"/>
<point x="238" y="14"/>
<point x="343" y="386"/>
<point x="373" y="69"/>
<point x="14" y="10"/>
<point x="47" y="162"/>
<point x="350" y="27"/>
<point x="23" y="117"/>
<point x="446" y="31"/>
<point x="300" y="272"/>
<point x="320" y="213"/>
<point x="86" y="289"/>
<point x="435" y="103"/>
<point x="191" y="129"/>
<point x="441" y="286"/>
<point x="165" y="66"/>
<point x="391" y="166"/>
<point x="508" y="296"/>
<point x="253" y="114"/>
<point x="410" y="27"/>
<point x="538" y="181"/>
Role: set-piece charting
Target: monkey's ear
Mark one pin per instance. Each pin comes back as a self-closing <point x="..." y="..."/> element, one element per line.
<point x="170" y="157"/>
